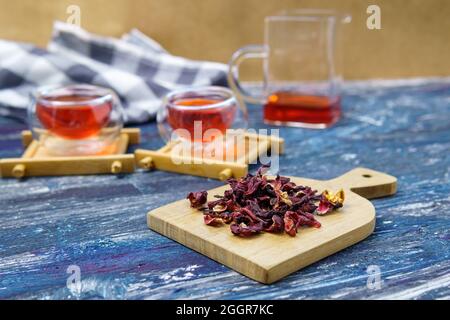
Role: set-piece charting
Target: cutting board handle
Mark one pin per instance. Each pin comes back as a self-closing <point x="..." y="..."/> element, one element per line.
<point x="368" y="183"/>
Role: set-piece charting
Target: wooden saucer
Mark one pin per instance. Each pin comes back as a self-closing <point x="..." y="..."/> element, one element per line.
<point x="164" y="158"/>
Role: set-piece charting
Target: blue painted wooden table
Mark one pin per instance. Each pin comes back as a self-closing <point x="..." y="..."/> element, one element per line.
<point x="98" y="223"/>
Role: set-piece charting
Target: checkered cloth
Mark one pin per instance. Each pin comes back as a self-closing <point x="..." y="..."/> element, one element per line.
<point x="137" y="68"/>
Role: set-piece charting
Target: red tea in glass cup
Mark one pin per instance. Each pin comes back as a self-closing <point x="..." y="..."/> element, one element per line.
<point x="200" y="114"/>
<point x="184" y="113"/>
<point x="76" y="119"/>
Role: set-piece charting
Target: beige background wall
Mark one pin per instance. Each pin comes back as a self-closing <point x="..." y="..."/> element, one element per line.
<point x="414" y="40"/>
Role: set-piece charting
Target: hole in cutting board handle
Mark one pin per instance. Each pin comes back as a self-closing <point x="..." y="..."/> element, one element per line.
<point x="368" y="183"/>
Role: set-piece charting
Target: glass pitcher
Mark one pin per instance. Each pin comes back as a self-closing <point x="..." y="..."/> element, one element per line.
<point x="302" y="68"/>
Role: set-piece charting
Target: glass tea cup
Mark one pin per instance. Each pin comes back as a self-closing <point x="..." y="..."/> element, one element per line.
<point x="302" y="68"/>
<point x="75" y="120"/>
<point x="198" y="116"/>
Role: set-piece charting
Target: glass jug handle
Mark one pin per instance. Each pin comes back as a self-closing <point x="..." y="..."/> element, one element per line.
<point x="247" y="52"/>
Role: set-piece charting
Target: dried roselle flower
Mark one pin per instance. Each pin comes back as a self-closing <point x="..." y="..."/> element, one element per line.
<point x="302" y="221"/>
<point x="290" y="223"/>
<point x="277" y="184"/>
<point x="220" y="207"/>
<point x="232" y="206"/>
<point x="329" y="201"/>
<point x="307" y="219"/>
<point x="250" y="215"/>
<point x="306" y="191"/>
<point x="324" y="207"/>
<point x="243" y="230"/>
<point x="261" y="213"/>
<point x="264" y="198"/>
<point x="277" y="225"/>
<point x="238" y="217"/>
<point x="212" y="204"/>
<point x="228" y="194"/>
<point x="308" y="207"/>
<point x="285" y="198"/>
<point x="253" y="186"/>
<point x="337" y="199"/>
<point x="274" y="202"/>
<point x="226" y="217"/>
<point x="262" y="170"/>
<point x="197" y="199"/>
<point x="314" y="223"/>
<point x="288" y="186"/>
<point x="211" y="220"/>
<point x="256" y="209"/>
<point x="283" y="181"/>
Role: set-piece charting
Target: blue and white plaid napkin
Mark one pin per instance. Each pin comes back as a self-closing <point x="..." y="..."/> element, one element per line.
<point x="136" y="67"/>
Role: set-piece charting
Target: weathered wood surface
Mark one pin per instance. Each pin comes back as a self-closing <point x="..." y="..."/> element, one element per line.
<point x="99" y="222"/>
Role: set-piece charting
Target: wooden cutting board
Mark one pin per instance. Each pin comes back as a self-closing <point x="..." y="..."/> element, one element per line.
<point x="269" y="257"/>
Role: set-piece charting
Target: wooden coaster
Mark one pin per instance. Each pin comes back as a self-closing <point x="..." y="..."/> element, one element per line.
<point x="165" y="159"/>
<point x="35" y="161"/>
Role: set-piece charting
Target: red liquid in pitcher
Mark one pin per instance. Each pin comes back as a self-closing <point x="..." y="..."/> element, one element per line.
<point x="220" y="118"/>
<point x="73" y="121"/>
<point x="290" y="108"/>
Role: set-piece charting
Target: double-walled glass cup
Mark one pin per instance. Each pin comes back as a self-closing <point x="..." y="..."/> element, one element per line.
<point x="200" y="115"/>
<point x="302" y="68"/>
<point x="75" y="120"/>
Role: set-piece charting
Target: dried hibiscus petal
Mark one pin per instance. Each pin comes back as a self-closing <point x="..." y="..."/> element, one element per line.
<point x="290" y="223"/>
<point x="197" y="199"/>
<point x="324" y="207"/>
<point x="226" y="217"/>
<point x="243" y="230"/>
<point x="252" y="216"/>
<point x="329" y="201"/>
<point x="211" y="220"/>
<point x="220" y="207"/>
<point x="308" y="219"/>
<point x="277" y="225"/>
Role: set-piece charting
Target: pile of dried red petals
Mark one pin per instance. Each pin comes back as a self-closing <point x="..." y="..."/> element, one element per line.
<point x="256" y="203"/>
